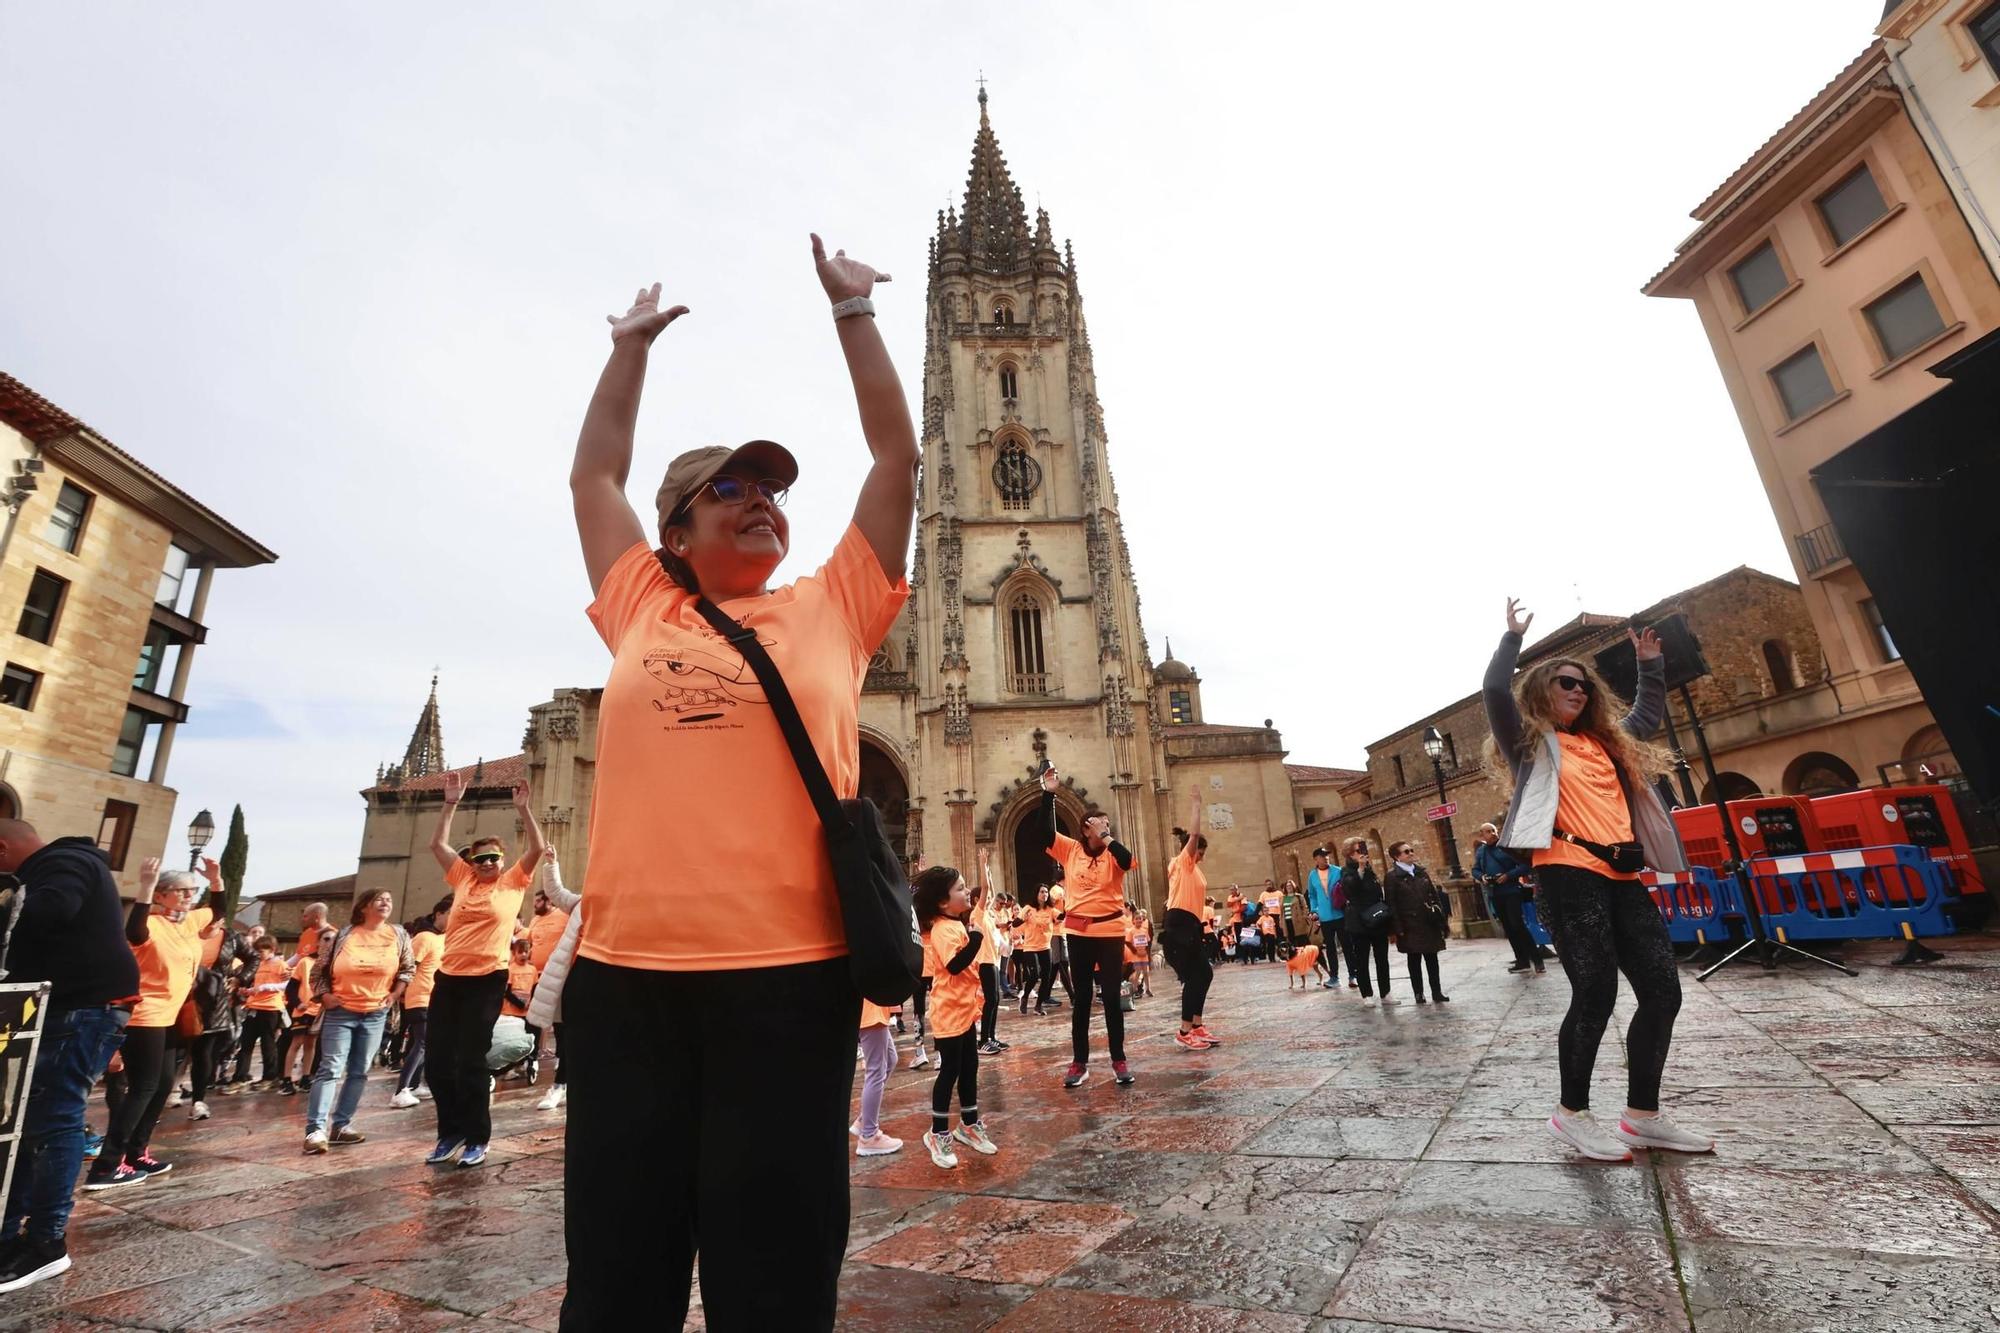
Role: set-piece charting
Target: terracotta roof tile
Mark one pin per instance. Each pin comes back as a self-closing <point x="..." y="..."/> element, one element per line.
<point x="338" y="889"/>
<point x="1314" y="773"/>
<point x="491" y="773"/>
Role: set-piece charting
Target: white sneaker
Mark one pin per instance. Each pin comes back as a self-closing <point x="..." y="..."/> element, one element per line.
<point x="940" y="1149"/>
<point x="974" y="1137"/>
<point x="1655" y="1131"/>
<point x="423" y="1093"/>
<point x="554" y="1097"/>
<point x="199" y="1111"/>
<point x="1582" y="1132"/>
<point x="1368" y="1002"/>
<point x="403" y="1100"/>
<point x="1388" y="1000"/>
<point x="922" y="1061"/>
<point x="879" y="1146"/>
<point x="316" y="1141"/>
<point x="177" y="1099"/>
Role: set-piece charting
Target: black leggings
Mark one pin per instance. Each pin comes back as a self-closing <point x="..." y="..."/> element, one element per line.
<point x="260" y="1029"/>
<point x="671" y="1131"/>
<point x="203" y="1053"/>
<point x="1377" y="942"/>
<point x="989" y="1013"/>
<point x="463" y="1012"/>
<point x="148" y="1076"/>
<point x="1031" y="974"/>
<point x="921" y="999"/>
<point x="416" y="1028"/>
<point x="1104" y="959"/>
<point x="1602" y="927"/>
<point x="958" y="1062"/>
<point x="1057" y="968"/>
<point x="1181" y="941"/>
<point x="1427" y="962"/>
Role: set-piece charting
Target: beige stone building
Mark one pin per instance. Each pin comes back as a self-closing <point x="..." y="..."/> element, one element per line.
<point x="105" y="574"/>
<point x="1945" y="57"/>
<point x="1831" y="271"/>
<point x="1776" y="721"/>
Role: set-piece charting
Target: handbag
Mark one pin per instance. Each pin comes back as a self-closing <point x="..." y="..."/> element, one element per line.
<point x="883" y="955"/>
<point x="1375" y="915"/>
<point x="1627" y="858"/>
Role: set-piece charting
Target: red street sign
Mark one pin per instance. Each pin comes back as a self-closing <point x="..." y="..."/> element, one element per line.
<point x="1445" y="811"/>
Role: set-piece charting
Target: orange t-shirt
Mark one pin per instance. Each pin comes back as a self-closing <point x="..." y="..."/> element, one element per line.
<point x="1302" y="959"/>
<point x="989" y="949"/>
<point x="428" y="950"/>
<point x="1187" y="886"/>
<point x="521" y="979"/>
<point x="167" y="962"/>
<point x="543" y="933"/>
<point x="697" y="798"/>
<point x="955" y="1000"/>
<point x="365" y="971"/>
<point x="302" y="972"/>
<point x="1234" y="907"/>
<point x="1036" y="927"/>
<point x="270" y="971"/>
<point x="874" y="1015"/>
<point x="308" y="945"/>
<point x="1094" y="886"/>
<point x="482" y="919"/>
<point x="1589" y="803"/>
<point x="1273" y="904"/>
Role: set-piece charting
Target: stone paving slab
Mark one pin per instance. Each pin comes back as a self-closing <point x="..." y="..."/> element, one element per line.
<point x="1330" y="1167"/>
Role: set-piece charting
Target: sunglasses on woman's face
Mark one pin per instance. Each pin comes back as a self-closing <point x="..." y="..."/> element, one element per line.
<point x="1572" y="683"/>
<point x="735" y="490"/>
<point x="488" y="859"/>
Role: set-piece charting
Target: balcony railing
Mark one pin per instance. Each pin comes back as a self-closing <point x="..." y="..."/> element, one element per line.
<point x="1031" y="682"/>
<point x="1821" y="547"/>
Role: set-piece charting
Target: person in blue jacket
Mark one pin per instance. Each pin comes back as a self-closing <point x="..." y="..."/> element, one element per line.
<point x="1500" y="871"/>
<point x="1319" y="896"/>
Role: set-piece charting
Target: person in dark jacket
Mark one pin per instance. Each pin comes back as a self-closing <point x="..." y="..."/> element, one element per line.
<point x="70" y="934"/>
<point x="1419" y="913"/>
<point x="1501" y="872"/>
<point x="1361" y="890"/>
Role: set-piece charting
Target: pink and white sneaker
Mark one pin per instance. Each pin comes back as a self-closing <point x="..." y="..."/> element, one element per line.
<point x="1656" y="1131"/>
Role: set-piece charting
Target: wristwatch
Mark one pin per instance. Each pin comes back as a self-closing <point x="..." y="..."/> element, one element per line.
<point x="853" y="305"/>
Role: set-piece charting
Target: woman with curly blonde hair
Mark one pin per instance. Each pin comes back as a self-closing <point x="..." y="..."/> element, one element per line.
<point x="1584" y="813"/>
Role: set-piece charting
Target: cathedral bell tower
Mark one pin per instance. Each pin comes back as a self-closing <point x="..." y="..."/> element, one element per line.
<point x="1025" y="633"/>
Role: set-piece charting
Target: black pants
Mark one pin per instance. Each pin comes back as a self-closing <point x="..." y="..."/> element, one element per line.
<point x="463" y="1011"/>
<point x="1056" y="967"/>
<point x="1377" y="943"/>
<point x="958" y="1063"/>
<point x="203" y="1054"/>
<point x="1333" y="947"/>
<point x="1096" y="963"/>
<point x="1602" y="927"/>
<point x="1181" y="941"/>
<point x="671" y="1134"/>
<point x="1508" y="907"/>
<point x="148" y="1077"/>
<point x="1419" y="964"/>
<point x="989" y="1013"/>
<point x="1031" y="974"/>
<point x="260" y="1030"/>
<point x="920" y="998"/>
<point x="416" y="1035"/>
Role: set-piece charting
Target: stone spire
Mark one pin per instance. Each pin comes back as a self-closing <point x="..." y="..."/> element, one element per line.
<point x="426" y="752"/>
<point x="994" y="226"/>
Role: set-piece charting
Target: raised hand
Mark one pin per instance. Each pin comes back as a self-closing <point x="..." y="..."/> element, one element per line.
<point x="1051" y="779"/>
<point x="1645" y="646"/>
<point x="842" y="277"/>
<point x="645" y="319"/>
<point x="1518" y="620"/>
<point x="149" y="875"/>
<point x="521" y="797"/>
<point x="211" y="870"/>
<point x="454" y="788"/>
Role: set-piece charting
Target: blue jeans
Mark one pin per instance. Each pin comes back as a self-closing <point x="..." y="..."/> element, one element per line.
<point x="347" y="1046"/>
<point x="75" y="1046"/>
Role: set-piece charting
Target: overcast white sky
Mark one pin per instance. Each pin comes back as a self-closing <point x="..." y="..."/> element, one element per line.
<point x="1359" y="293"/>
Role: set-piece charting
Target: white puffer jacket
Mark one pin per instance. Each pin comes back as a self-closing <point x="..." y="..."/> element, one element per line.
<point x="545" y="1009"/>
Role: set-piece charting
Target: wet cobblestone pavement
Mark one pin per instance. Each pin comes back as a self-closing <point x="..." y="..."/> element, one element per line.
<point x="1331" y="1167"/>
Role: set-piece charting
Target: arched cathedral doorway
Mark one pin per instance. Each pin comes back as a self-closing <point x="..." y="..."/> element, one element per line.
<point x="882" y="782"/>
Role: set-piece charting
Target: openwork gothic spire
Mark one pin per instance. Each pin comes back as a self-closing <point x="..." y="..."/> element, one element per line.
<point x="426" y="752"/>
<point x="994" y="222"/>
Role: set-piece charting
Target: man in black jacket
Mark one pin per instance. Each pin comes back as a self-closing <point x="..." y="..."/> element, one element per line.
<point x="70" y="935"/>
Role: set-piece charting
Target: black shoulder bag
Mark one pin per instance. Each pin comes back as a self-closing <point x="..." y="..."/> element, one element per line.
<point x="882" y="950"/>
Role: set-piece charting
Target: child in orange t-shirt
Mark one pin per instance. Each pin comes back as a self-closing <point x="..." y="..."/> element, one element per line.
<point x="1139" y="952"/>
<point x="521" y="978"/>
<point x="878" y="1053"/>
<point x="951" y="947"/>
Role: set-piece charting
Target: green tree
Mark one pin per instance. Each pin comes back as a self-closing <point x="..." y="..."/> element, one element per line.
<point x="235" y="854"/>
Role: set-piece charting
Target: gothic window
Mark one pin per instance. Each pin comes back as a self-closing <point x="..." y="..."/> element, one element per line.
<point x="1180" y="707"/>
<point x="1010" y="387"/>
<point x="1026" y="650"/>
<point x="1016" y="475"/>
<point x="1003" y="313"/>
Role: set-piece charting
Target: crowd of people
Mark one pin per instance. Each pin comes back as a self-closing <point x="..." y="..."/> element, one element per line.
<point x="703" y="1012"/>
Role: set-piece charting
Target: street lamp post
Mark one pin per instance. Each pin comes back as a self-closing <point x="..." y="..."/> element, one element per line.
<point x="1434" y="747"/>
<point x="200" y="832"/>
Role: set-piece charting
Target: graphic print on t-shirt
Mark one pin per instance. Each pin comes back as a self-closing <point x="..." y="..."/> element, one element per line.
<point x="705" y="679"/>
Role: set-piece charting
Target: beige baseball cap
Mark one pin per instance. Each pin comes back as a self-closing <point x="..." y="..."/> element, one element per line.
<point x="697" y="467"/>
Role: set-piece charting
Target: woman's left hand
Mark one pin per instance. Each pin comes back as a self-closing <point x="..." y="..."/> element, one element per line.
<point x="1646" y="646"/>
<point x="842" y="277"/>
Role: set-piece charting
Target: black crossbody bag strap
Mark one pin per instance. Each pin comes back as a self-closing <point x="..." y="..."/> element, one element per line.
<point x="818" y="785"/>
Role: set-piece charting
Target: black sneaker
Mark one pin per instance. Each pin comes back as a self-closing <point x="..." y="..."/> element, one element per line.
<point x="287" y="1087"/>
<point x="1517" y="967"/>
<point x="150" y="1165"/>
<point x="112" y="1178"/>
<point x="31" y="1263"/>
